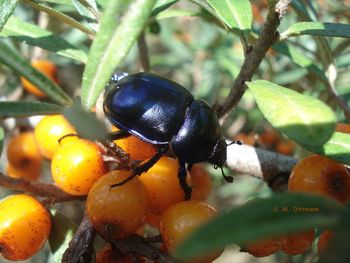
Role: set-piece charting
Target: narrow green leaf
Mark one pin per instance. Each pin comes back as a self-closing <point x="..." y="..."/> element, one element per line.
<point x="279" y="214"/>
<point x="236" y="14"/>
<point x="27" y="108"/>
<point x="60" y="16"/>
<point x="33" y="35"/>
<point x="299" y="58"/>
<point x="176" y="13"/>
<point x="6" y="9"/>
<point x="161" y="5"/>
<point x="88" y="9"/>
<point x="302" y="118"/>
<point x="85" y="123"/>
<point x="2" y="137"/>
<point x="336" y="148"/>
<point x="62" y="233"/>
<point x="112" y="44"/>
<point x="16" y="62"/>
<point x="317" y="29"/>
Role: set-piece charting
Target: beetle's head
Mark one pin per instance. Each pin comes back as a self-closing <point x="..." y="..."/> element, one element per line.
<point x="218" y="155"/>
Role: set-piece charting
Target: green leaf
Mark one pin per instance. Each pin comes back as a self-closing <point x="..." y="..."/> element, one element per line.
<point x="336" y="148"/>
<point x="88" y="9"/>
<point x="302" y="118"/>
<point x="62" y="232"/>
<point x="60" y="16"/>
<point x="236" y="14"/>
<point x="85" y="123"/>
<point x="317" y="29"/>
<point x="33" y="35"/>
<point x="176" y="13"/>
<point x="112" y="44"/>
<point x="16" y="62"/>
<point x="161" y="5"/>
<point x="27" y="108"/>
<point x="299" y="58"/>
<point x="6" y="9"/>
<point x="2" y="137"/>
<point x="279" y="214"/>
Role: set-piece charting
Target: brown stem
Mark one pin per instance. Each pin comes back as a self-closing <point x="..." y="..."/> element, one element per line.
<point x="39" y="189"/>
<point x="81" y="246"/>
<point x="267" y="38"/>
<point x="143" y="52"/>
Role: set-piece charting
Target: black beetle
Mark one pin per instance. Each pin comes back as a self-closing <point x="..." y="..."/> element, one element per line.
<point x="162" y="112"/>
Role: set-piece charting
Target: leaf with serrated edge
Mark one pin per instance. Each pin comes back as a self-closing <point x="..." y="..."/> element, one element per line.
<point x="112" y="44"/>
<point x="302" y="118"/>
<point x="259" y="219"/>
<point x="236" y="14"/>
<point x="33" y="35"/>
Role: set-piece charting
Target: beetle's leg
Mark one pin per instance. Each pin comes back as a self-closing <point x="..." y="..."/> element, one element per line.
<point x="144" y="167"/>
<point x="118" y="135"/>
<point x="182" y="179"/>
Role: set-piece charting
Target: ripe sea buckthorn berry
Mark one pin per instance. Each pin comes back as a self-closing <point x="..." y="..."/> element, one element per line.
<point x="323" y="241"/>
<point x="119" y="211"/>
<point x="297" y="243"/>
<point x="47" y="68"/>
<point x="248" y="139"/>
<point x="152" y="219"/>
<point x="135" y="147"/>
<point x="263" y="248"/>
<point x="269" y="138"/>
<point x="23" y="152"/>
<point x="76" y="166"/>
<point x="162" y="185"/>
<point x="180" y="220"/>
<point x="107" y="255"/>
<point x="319" y="175"/>
<point x="24" y="226"/>
<point x="31" y="173"/>
<point x="48" y="131"/>
<point x="285" y="147"/>
<point x="200" y="182"/>
<point x="342" y="127"/>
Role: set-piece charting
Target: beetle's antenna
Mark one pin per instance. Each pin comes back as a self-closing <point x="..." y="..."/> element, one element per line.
<point x="234" y="142"/>
<point x="227" y="178"/>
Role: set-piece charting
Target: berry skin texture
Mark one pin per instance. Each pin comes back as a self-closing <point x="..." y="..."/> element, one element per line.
<point x="117" y="211"/>
<point x="323" y="241"/>
<point x="47" y="68"/>
<point x="263" y="248"/>
<point x="135" y="147"/>
<point x="180" y="220"/>
<point x="76" y="166"/>
<point x="162" y="185"/>
<point x="200" y="182"/>
<point x="49" y="130"/>
<point x="32" y="173"/>
<point x="23" y="153"/>
<point x="319" y="175"/>
<point x="24" y="226"/>
<point x="298" y="243"/>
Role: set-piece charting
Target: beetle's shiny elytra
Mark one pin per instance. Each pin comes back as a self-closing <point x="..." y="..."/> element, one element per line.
<point x="164" y="113"/>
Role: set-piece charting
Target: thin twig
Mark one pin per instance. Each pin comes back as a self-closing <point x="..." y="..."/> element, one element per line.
<point x="267" y="38"/>
<point x="39" y="189"/>
<point x="143" y="52"/>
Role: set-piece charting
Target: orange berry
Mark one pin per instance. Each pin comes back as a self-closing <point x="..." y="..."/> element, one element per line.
<point x="263" y="248"/>
<point x="248" y="139"/>
<point x="298" y="243"/>
<point x="342" y="127"/>
<point x="162" y="185"/>
<point x="48" y="131"/>
<point x="23" y="152"/>
<point x="24" y="226"/>
<point x="135" y="147"/>
<point x="76" y="166"/>
<point x="319" y="175"/>
<point x="285" y="147"/>
<point x="180" y="220"/>
<point x="323" y="241"/>
<point x="200" y="182"/>
<point x="47" y="68"/>
<point x="107" y="255"/>
<point x="117" y="211"/>
<point x="31" y="173"/>
<point x="152" y="219"/>
<point x="269" y="138"/>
